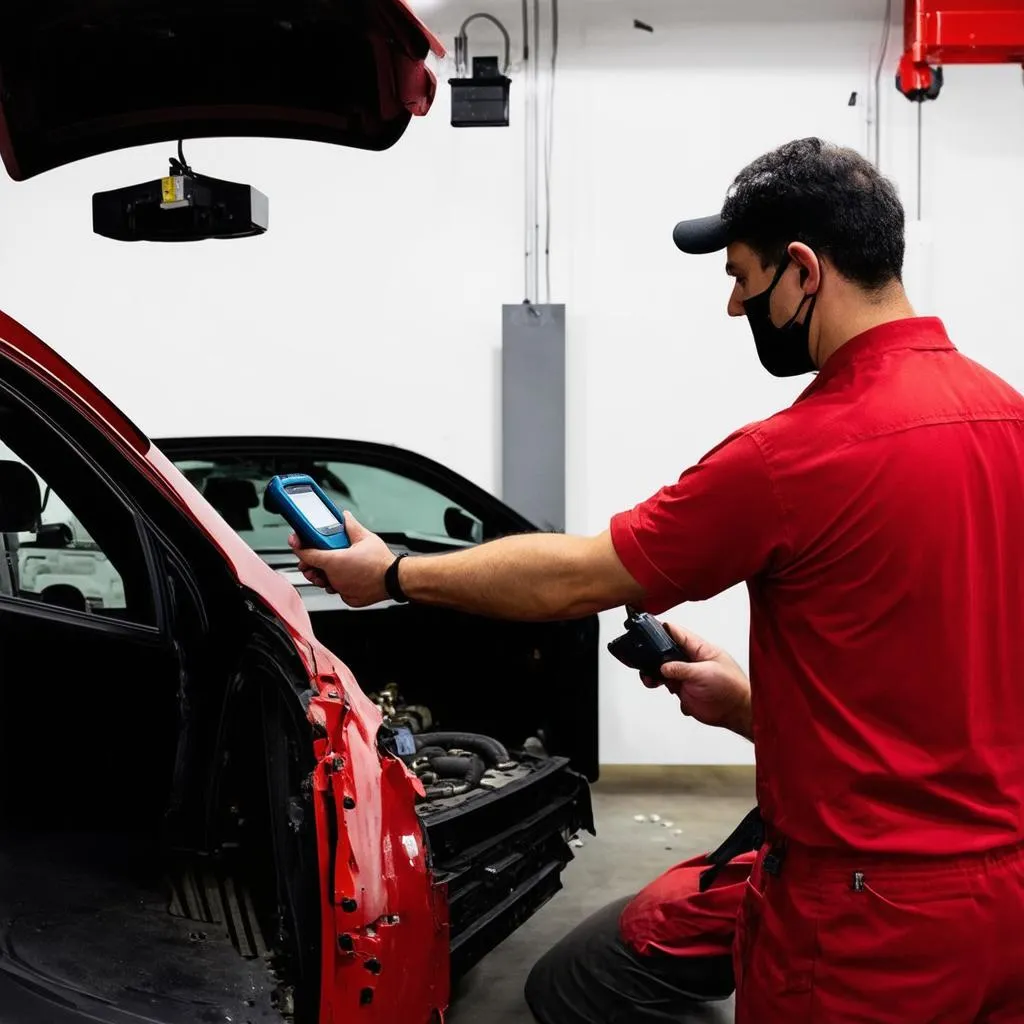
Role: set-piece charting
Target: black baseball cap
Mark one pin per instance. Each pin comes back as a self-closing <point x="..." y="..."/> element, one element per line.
<point x="702" y="235"/>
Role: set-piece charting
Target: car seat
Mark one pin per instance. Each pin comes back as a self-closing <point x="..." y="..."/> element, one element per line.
<point x="20" y="506"/>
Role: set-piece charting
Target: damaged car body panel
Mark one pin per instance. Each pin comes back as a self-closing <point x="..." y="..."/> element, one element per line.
<point x="379" y="901"/>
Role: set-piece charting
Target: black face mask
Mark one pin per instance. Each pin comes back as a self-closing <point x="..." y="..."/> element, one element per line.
<point x="784" y="351"/>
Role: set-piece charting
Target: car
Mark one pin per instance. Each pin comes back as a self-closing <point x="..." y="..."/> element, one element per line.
<point x="209" y="809"/>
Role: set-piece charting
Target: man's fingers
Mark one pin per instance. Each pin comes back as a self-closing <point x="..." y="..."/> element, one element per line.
<point x="310" y="557"/>
<point x="355" y="529"/>
<point x="695" y="646"/>
<point x="678" y="671"/>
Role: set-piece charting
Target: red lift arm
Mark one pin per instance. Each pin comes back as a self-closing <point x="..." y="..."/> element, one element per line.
<point x="938" y="32"/>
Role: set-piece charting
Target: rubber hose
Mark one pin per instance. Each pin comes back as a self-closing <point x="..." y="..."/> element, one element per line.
<point x="427" y="752"/>
<point x="490" y="749"/>
<point x="467" y="772"/>
<point x="465" y="769"/>
<point x="445" y="789"/>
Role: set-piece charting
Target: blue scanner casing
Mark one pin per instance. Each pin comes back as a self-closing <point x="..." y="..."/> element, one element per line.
<point x="277" y="498"/>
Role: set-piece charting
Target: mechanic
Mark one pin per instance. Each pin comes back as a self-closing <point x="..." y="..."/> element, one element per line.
<point x="877" y="524"/>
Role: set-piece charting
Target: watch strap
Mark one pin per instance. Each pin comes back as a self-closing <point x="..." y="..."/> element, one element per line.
<point x="391" y="584"/>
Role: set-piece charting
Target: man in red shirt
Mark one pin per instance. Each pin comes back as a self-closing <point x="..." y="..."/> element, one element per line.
<point x="878" y="523"/>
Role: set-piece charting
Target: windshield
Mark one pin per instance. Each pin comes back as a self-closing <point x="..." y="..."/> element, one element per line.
<point x="383" y="501"/>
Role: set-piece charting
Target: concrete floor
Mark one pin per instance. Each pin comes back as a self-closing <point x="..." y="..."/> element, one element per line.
<point x="621" y="860"/>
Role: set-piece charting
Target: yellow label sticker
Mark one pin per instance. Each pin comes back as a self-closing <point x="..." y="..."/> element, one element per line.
<point x="171" y="189"/>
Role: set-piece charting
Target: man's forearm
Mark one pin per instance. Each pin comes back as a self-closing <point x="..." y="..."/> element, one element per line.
<point x="742" y="723"/>
<point x="531" y="577"/>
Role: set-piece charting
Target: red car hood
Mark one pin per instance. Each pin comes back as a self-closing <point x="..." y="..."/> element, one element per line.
<point x="83" y="77"/>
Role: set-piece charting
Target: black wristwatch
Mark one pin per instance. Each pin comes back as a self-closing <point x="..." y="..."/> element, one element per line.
<point x="391" y="584"/>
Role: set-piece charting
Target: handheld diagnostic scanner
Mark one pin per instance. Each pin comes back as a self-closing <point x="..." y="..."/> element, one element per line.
<point x="302" y="503"/>
<point x="646" y="645"/>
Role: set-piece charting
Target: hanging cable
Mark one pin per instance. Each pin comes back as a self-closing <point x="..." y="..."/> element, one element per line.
<point x="536" y="147"/>
<point x="878" y="80"/>
<point x="180" y="166"/>
<point x="549" y="143"/>
<point x="526" y="155"/>
<point x="462" y="42"/>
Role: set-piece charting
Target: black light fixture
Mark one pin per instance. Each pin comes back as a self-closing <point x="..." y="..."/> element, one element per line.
<point x="481" y="101"/>
<point x="183" y="206"/>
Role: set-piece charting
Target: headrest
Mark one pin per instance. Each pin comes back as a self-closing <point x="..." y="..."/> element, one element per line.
<point x="232" y="497"/>
<point x="230" y="492"/>
<point x="20" y="498"/>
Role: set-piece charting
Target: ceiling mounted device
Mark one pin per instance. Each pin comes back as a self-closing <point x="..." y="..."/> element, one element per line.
<point x="183" y="206"/>
<point x="481" y="101"/>
<point x="943" y="32"/>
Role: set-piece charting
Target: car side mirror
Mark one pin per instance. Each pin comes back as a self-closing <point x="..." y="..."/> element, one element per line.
<point x="460" y="525"/>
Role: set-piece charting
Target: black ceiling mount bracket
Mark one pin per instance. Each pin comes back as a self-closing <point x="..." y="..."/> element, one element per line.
<point x="480" y="101"/>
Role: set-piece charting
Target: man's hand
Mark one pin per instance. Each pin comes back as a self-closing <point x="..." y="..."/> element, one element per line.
<point x="711" y="687"/>
<point x="355" y="573"/>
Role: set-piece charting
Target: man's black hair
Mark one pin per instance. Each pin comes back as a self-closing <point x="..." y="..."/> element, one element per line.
<point x="828" y="197"/>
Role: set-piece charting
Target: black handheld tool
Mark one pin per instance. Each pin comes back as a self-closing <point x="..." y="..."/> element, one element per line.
<point x="645" y="645"/>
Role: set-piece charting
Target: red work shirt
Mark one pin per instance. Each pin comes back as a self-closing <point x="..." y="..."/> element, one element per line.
<point x="878" y="523"/>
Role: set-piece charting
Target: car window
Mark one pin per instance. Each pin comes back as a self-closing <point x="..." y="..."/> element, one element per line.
<point x="58" y="561"/>
<point x="382" y="500"/>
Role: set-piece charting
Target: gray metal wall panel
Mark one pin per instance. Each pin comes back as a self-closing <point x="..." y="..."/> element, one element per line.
<point x="533" y="412"/>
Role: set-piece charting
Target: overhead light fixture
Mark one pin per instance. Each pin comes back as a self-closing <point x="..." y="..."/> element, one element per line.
<point x="183" y="206"/>
<point x="480" y="101"/>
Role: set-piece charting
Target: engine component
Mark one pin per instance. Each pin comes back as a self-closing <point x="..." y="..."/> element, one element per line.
<point x="490" y="749"/>
<point x="399" y="715"/>
<point x="466" y="771"/>
<point x="447" y="763"/>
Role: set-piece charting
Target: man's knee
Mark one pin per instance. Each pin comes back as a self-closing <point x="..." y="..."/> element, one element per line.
<point x="561" y="984"/>
<point x="538" y="991"/>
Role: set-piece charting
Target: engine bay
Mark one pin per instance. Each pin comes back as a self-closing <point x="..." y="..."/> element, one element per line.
<point x="499" y="821"/>
<point x="455" y="767"/>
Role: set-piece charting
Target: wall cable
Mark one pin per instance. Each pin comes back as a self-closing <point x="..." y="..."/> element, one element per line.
<point x="878" y="80"/>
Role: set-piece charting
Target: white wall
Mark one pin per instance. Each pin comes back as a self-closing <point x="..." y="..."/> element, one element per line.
<point x="374" y="301"/>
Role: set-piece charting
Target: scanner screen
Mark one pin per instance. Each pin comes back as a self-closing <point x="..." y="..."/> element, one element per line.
<point x="310" y="505"/>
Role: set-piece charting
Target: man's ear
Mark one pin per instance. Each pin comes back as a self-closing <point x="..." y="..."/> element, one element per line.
<point x="810" y="267"/>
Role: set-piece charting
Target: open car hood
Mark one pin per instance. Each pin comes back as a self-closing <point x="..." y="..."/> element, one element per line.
<point x="83" y="77"/>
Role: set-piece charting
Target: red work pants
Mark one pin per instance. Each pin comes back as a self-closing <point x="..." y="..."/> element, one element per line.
<point x="856" y="940"/>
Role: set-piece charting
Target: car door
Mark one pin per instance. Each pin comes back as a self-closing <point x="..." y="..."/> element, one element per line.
<point x="83" y="649"/>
